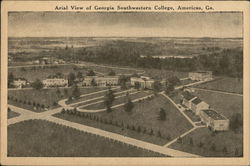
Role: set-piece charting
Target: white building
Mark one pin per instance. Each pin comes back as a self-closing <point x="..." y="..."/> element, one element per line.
<point x="55" y="82"/>
<point x="100" y="81"/>
<point x="193" y="103"/>
<point x="213" y="119"/>
<point x="19" y="83"/>
<point x="200" y="75"/>
<point x="143" y="82"/>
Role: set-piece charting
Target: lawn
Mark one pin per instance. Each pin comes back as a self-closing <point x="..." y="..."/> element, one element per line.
<point x="157" y="73"/>
<point x="33" y="73"/>
<point x="117" y="101"/>
<point x="228" y="139"/>
<point x="192" y="116"/>
<point x="107" y="69"/>
<point x="187" y="81"/>
<point x="47" y="97"/>
<point x="87" y="97"/>
<point x="12" y="114"/>
<point x="38" y="138"/>
<point x="144" y="115"/>
<point x="223" y="103"/>
<point x="226" y="84"/>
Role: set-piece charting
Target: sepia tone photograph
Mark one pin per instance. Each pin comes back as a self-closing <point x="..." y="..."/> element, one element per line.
<point x="125" y="84"/>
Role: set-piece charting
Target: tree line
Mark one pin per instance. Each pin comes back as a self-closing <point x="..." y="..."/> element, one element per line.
<point x="227" y="62"/>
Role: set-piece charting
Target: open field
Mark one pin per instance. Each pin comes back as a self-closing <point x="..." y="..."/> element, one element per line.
<point x="223" y="103"/>
<point x="157" y="73"/>
<point x="226" y="84"/>
<point x="52" y="140"/>
<point x="107" y="69"/>
<point x="192" y="116"/>
<point x="145" y="115"/>
<point x="228" y="140"/>
<point x="47" y="97"/>
<point x="42" y="72"/>
<point x="12" y="114"/>
<point x="117" y="101"/>
<point x="187" y="81"/>
<point x="92" y="96"/>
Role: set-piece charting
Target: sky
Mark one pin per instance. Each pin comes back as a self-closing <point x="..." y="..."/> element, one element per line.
<point x="140" y="24"/>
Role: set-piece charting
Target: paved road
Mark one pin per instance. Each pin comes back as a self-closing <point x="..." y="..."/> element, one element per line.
<point x="216" y="91"/>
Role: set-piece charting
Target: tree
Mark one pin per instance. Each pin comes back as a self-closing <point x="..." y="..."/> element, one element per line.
<point x="65" y="91"/>
<point x="10" y="80"/>
<point x="128" y="107"/>
<point x="93" y="82"/>
<point x="79" y="75"/>
<point x="122" y="82"/>
<point x="236" y="121"/>
<point x="162" y="114"/>
<point x="213" y="147"/>
<point x="38" y="85"/>
<point x="58" y="92"/>
<point x="159" y="133"/>
<point x="111" y="73"/>
<point x="157" y="86"/>
<point x="137" y="85"/>
<point x="191" y="141"/>
<point x="71" y="79"/>
<point x="224" y="150"/>
<point x="91" y="73"/>
<point x="169" y="88"/>
<point x="75" y="92"/>
<point x="109" y="98"/>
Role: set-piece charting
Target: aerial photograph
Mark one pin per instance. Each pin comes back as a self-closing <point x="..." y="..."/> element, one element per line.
<point x="125" y="84"/>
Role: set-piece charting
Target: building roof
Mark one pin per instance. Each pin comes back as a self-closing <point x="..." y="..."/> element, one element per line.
<point x="197" y="100"/>
<point x="188" y="96"/>
<point x="214" y="115"/>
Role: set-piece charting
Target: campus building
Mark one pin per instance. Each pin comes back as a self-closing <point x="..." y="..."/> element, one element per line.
<point x="55" y="82"/>
<point x="142" y="82"/>
<point x="200" y="75"/>
<point x="215" y="120"/>
<point x="193" y="103"/>
<point x="19" y="83"/>
<point x="100" y="81"/>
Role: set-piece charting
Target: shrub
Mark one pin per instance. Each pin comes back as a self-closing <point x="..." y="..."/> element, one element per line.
<point x="224" y="150"/>
<point x="145" y="131"/>
<point x="151" y="132"/>
<point x="138" y="129"/>
<point x="179" y="140"/>
<point x="159" y="133"/>
<point x="191" y="141"/>
<point x="213" y="147"/>
<point x="201" y="144"/>
<point x="63" y="111"/>
<point x="168" y="137"/>
<point x="133" y="127"/>
<point x="128" y="127"/>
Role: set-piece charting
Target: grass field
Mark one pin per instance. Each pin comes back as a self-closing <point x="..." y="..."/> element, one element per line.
<point x="12" y="114"/>
<point x="228" y="139"/>
<point x="37" y="138"/>
<point x="223" y="103"/>
<point x="157" y="73"/>
<point x="226" y="84"/>
<point x="48" y="97"/>
<point x="192" y="116"/>
<point x="144" y="114"/>
<point x="117" y="101"/>
<point x="93" y="95"/>
<point x="32" y="74"/>
<point x="106" y="70"/>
